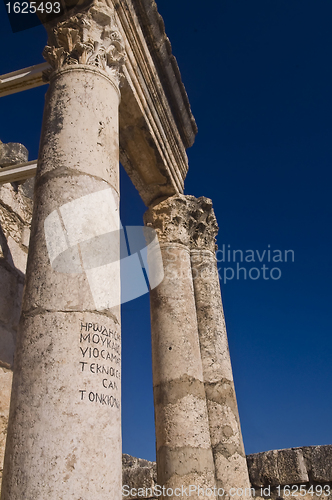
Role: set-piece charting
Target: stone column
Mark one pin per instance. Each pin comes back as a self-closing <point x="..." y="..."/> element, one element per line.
<point x="64" y="435"/>
<point x="15" y="218"/>
<point x="184" y="455"/>
<point x="227" y="444"/>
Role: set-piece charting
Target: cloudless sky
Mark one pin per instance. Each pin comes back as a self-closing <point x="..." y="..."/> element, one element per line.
<point x="259" y="78"/>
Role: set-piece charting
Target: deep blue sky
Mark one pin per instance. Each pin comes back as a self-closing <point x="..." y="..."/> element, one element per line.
<point x="259" y="78"/>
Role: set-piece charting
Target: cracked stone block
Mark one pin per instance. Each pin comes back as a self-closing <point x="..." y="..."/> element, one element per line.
<point x="138" y="473"/>
<point x="291" y="467"/>
<point x="16" y="203"/>
<point x="263" y="469"/>
<point x="319" y="462"/>
<point x="12" y="153"/>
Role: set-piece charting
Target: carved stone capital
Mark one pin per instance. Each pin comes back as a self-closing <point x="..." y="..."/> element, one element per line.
<point x="90" y="38"/>
<point x="186" y="220"/>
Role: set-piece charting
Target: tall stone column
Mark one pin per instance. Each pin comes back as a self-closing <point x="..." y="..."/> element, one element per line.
<point x="227" y="444"/>
<point x="184" y="455"/>
<point x="64" y="436"/>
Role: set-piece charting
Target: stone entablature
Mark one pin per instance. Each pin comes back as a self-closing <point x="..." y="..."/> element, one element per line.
<point x="153" y="28"/>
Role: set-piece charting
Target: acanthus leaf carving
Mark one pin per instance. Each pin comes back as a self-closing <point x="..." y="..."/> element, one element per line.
<point x="186" y="220"/>
<point x="89" y="38"/>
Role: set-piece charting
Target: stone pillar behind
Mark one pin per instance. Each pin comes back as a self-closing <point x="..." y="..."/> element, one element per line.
<point x="15" y="218"/>
<point x="64" y="434"/>
<point x="227" y="444"/>
<point x="184" y="455"/>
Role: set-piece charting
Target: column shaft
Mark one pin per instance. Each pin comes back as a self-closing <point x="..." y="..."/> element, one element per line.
<point x="226" y="438"/>
<point x="184" y="455"/>
<point x="64" y="435"/>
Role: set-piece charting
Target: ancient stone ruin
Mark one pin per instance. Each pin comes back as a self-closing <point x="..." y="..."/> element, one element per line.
<point x="109" y="66"/>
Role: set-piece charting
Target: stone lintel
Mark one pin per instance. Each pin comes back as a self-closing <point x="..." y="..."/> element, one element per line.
<point x="22" y="79"/>
<point x="156" y="124"/>
<point x="19" y="172"/>
<point x="153" y="28"/>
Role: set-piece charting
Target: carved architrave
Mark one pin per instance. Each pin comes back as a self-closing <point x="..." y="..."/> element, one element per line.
<point x="184" y="219"/>
<point x="90" y="38"/>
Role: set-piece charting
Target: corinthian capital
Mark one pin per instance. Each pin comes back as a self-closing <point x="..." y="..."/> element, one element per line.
<point x="90" y="38"/>
<point x="184" y="219"/>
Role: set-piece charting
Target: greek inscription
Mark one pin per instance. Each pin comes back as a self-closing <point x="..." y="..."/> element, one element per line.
<point x="100" y="343"/>
<point x="95" y="327"/>
<point x="110" y="344"/>
<point x="97" y="339"/>
<point x="94" y="352"/>
<point x="102" y="369"/>
<point x="108" y="384"/>
<point x="107" y="370"/>
<point x="104" y="399"/>
<point x="82" y="394"/>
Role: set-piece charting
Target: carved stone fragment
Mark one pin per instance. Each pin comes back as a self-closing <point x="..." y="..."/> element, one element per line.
<point x="91" y="38"/>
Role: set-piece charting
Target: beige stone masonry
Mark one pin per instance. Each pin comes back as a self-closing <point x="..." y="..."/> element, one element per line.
<point x="15" y="218"/>
<point x="271" y="473"/>
<point x="184" y="455"/>
<point x="155" y="119"/>
<point x="226" y="438"/>
<point x="64" y="434"/>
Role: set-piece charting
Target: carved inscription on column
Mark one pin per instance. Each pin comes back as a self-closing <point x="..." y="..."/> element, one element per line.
<point x="100" y="364"/>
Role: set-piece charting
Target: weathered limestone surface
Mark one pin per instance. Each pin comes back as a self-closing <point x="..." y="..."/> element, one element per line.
<point x="309" y="466"/>
<point x="184" y="455"/>
<point x="138" y="473"/>
<point x="291" y="466"/>
<point x="185" y="220"/>
<point x="156" y="122"/>
<point x="65" y="420"/>
<point x="167" y="68"/>
<point x="12" y="153"/>
<point x="6" y="376"/>
<point x="53" y="436"/>
<point x="225" y="430"/>
<point x="15" y="217"/>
